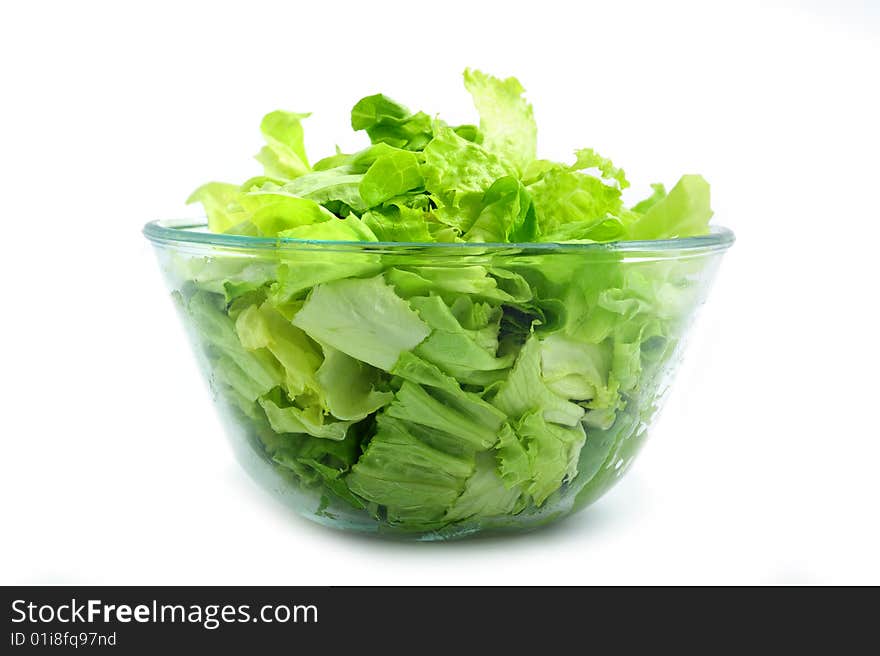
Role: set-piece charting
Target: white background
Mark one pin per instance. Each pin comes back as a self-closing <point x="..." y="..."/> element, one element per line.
<point x="765" y="465"/>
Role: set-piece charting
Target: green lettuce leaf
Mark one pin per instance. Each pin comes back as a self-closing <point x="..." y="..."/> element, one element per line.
<point x="479" y="282"/>
<point x="684" y="212"/>
<point x="524" y="391"/>
<point x="484" y="420"/>
<point x="350" y="228"/>
<point x="588" y="158"/>
<point x="390" y="175"/>
<point x="218" y="330"/>
<point x="458" y="172"/>
<point x="415" y="482"/>
<point x="363" y="318"/>
<point x="263" y="327"/>
<point x="284" y="155"/>
<point x="506" y="118"/>
<point x="221" y="203"/>
<point x="658" y="194"/>
<point x="440" y="411"/>
<point x="333" y="188"/>
<point x="485" y="494"/>
<point x="553" y="452"/>
<point x="507" y="214"/>
<point x="301" y="271"/>
<point x="277" y="210"/>
<point x="574" y="369"/>
<point x="230" y="277"/>
<point x="465" y="354"/>
<point x="389" y="122"/>
<point x="513" y="459"/>
<point x="310" y="420"/>
<point x="349" y="386"/>
<point x="564" y="198"/>
<point x="398" y="224"/>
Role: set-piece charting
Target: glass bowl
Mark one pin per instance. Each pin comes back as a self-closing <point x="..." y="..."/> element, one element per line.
<point x="435" y="391"/>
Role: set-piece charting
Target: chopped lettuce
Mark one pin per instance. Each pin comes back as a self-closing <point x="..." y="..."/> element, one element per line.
<point x="391" y="175"/>
<point x="525" y="390"/>
<point x="284" y="154"/>
<point x="416" y="482"/>
<point x="485" y="494"/>
<point x="363" y="318"/>
<point x="683" y="212"/>
<point x="426" y="181"/>
<point x="220" y="200"/>
<point x="350" y="387"/>
<point x="506" y="118"/>
<point x="476" y="385"/>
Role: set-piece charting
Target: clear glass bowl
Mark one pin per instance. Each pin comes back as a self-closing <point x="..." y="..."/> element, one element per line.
<point x="435" y="391"/>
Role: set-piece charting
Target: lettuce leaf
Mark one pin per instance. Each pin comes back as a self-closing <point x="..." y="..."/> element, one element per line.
<point x="683" y="212"/>
<point x="574" y="205"/>
<point x="221" y="203"/>
<point x="350" y="387"/>
<point x="506" y="118"/>
<point x="415" y="482"/>
<point x="333" y="188"/>
<point x="273" y="211"/>
<point x="284" y="155"/>
<point x="524" y="391"/>
<point x="390" y="175"/>
<point x="310" y="420"/>
<point x="457" y="173"/>
<point x="363" y="318"/>
<point x="350" y="228"/>
<point x="507" y="214"/>
<point x="552" y="451"/>
<point x="485" y="494"/>
<point x="468" y="355"/>
<point x="388" y="122"/>
<point x="263" y="327"/>
<point x="400" y="224"/>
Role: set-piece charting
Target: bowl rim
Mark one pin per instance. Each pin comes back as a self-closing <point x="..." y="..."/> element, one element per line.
<point x="191" y="232"/>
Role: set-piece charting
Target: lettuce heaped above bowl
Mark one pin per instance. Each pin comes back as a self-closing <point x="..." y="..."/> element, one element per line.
<point x="441" y="333"/>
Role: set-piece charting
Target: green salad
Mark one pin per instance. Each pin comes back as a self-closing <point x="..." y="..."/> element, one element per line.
<point x="435" y="388"/>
